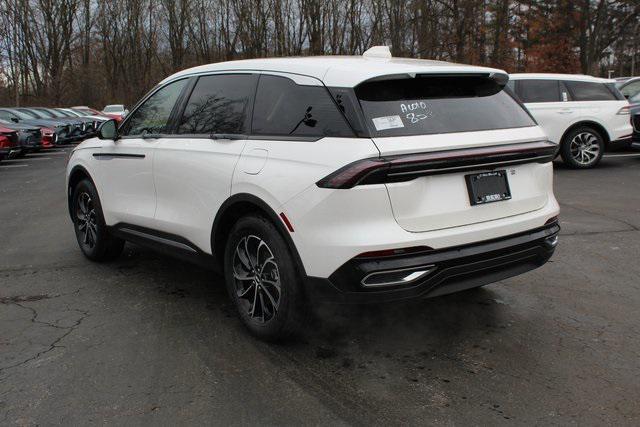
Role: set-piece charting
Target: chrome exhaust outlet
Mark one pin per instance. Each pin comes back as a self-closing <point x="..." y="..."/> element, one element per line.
<point x="403" y="276"/>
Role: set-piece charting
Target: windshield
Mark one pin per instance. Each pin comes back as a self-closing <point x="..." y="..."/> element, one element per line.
<point x="32" y="114"/>
<point x="438" y="104"/>
<point x="21" y="114"/>
<point x="113" y="108"/>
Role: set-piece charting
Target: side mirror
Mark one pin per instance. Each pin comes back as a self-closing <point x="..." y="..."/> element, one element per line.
<point x="14" y="119"/>
<point x="108" y="130"/>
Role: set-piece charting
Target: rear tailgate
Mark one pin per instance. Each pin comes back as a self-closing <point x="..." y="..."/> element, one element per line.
<point x="442" y="200"/>
<point x="435" y="130"/>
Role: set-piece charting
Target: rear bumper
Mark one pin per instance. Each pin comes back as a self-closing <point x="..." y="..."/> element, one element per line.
<point x="451" y="270"/>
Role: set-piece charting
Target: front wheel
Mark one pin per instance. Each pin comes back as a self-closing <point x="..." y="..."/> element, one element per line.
<point x="262" y="280"/>
<point x="582" y="148"/>
<point x="94" y="239"/>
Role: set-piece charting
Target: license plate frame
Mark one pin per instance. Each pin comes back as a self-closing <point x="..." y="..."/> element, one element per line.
<point x="488" y="187"/>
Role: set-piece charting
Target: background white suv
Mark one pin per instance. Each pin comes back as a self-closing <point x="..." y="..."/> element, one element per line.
<point x="583" y="114"/>
<point x="335" y="179"/>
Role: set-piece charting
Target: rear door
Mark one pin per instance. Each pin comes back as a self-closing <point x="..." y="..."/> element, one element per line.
<point x="547" y="100"/>
<point x="194" y="167"/>
<point x="444" y="114"/>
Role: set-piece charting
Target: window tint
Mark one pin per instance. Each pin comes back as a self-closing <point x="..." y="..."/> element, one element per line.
<point x="538" y="91"/>
<point x="589" y="91"/>
<point x="430" y="105"/>
<point x="152" y="116"/>
<point x="218" y="104"/>
<point x="283" y="107"/>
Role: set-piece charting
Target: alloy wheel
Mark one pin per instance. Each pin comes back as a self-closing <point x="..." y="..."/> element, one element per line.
<point x="86" y="220"/>
<point x="257" y="279"/>
<point x="584" y="148"/>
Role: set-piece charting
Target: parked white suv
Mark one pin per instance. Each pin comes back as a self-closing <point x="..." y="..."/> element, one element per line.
<point x="334" y="179"/>
<point x="583" y="114"/>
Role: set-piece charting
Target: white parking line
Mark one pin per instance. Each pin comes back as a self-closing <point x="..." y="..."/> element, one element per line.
<point x="24" y="159"/>
<point x="623" y="155"/>
<point x="3" y="166"/>
<point x="46" y="153"/>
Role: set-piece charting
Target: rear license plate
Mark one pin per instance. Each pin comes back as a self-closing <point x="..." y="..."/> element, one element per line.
<point x="488" y="187"/>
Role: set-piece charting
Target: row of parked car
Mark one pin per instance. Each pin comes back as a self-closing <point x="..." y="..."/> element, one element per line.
<point x="28" y="129"/>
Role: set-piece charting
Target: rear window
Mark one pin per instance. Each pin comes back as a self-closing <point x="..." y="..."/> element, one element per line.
<point x="283" y="107"/>
<point x="589" y="91"/>
<point x="431" y="105"/>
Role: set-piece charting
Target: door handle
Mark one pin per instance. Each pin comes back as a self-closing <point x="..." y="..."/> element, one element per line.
<point x="565" y="111"/>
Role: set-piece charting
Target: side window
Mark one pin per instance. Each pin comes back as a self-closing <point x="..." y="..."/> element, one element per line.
<point x="589" y="91"/>
<point x="631" y="90"/>
<point x="219" y="104"/>
<point x="283" y="107"/>
<point x="5" y="115"/>
<point x="152" y="116"/>
<point x="531" y="91"/>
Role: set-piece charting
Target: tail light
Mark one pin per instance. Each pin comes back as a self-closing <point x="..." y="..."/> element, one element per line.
<point x="625" y="111"/>
<point x="5" y="142"/>
<point x="410" y="166"/>
<point x="49" y="136"/>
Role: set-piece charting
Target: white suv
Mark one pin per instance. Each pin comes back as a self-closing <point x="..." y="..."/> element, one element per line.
<point x="327" y="179"/>
<point x="583" y="114"/>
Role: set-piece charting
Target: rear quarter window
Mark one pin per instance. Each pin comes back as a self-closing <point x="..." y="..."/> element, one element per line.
<point x="285" y="108"/>
<point x="589" y="91"/>
<point x="439" y="104"/>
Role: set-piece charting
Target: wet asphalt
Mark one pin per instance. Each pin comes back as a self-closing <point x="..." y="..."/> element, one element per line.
<point x="149" y="340"/>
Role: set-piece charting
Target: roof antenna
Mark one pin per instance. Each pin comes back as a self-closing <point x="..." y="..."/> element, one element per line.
<point x="377" y="52"/>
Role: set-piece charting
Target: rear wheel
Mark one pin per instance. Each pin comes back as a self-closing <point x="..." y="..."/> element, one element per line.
<point x="92" y="234"/>
<point x="582" y="148"/>
<point x="262" y="280"/>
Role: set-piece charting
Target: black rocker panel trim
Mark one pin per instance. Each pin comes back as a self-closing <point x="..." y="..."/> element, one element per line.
<point x="169" y="244"/>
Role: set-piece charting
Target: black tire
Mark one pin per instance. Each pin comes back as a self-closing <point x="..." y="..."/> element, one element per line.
<point x="97" y="243"/>
<point x="255" y="295"/>
<point x="582" y="147"/>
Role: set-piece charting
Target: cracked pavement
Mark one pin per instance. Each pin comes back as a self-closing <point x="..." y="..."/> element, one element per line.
<point x="152" y="340"/>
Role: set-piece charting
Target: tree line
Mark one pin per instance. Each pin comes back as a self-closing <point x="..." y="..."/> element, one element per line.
<point x="92" y="52"/>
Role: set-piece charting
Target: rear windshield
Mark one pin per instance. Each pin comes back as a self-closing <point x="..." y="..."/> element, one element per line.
<point x="438" y="104"/>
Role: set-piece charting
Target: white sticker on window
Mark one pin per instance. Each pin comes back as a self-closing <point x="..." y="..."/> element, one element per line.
<point x="387" y="122"/>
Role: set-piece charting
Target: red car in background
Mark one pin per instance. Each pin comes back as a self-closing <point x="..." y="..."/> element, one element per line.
<point x="94" y="112"/>
<point x="9" y="144"/>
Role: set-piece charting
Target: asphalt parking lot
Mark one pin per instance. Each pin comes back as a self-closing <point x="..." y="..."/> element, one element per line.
<point x="151" y="340"/>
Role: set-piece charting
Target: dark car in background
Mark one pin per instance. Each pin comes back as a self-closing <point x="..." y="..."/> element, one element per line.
<point x="53" y="131"/>
<point x="85" y="127"/>
<point x="634" y="110"/>
<point x="29" y="136"/>
<point x="75" y="132"/>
